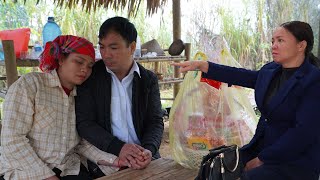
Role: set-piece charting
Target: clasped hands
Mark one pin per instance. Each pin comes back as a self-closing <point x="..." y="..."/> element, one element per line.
<point x="133" y="156"/>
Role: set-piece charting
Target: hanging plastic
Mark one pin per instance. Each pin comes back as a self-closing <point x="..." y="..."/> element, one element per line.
<point x="208" y="114"/>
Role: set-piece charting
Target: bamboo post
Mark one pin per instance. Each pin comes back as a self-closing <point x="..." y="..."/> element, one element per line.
<point x="10" y="62"/>
<point x="176" y="13"/>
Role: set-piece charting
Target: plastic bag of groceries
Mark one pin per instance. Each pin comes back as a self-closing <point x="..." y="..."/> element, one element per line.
<point x="208" y="114"/>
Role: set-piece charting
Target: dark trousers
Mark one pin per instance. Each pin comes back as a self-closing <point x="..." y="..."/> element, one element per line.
<point x="94" y="170"/>
<point x="278" y="172"/>
<point x="83" y="174"/>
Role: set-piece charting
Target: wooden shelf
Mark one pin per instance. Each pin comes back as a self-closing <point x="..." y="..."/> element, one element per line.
<point x="160" y="59"/>
<point x="12" y="64"/>
<point x="171" y="81"/>
<point x="35" y="62"/>
<point x="167" y="99"/>
<point x="24" y="63"/>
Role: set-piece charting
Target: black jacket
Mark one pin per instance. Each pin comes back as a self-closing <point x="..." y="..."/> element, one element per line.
<point x="93" y="103"/>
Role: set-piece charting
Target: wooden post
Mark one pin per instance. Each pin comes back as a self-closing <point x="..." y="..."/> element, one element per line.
<point x="319" y="35"/>
<point x="156" y="67"/>
<point x="10" y="62"/>
<point x="187" y="51"/>
<point x="176" y="13"/>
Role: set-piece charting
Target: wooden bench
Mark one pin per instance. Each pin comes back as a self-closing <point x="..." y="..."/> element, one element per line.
<point x="158" y="169"/>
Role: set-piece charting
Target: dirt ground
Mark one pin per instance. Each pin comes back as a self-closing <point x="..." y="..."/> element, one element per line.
<point x="164" y="148"/>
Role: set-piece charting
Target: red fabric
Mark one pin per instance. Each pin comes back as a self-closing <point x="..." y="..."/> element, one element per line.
<point x="65" y="44"/>
<point x="213" y="83"/>
<point x="66" y="90"/>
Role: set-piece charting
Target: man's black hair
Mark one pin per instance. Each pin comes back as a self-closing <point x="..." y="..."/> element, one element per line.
<point x="121" y="26"/>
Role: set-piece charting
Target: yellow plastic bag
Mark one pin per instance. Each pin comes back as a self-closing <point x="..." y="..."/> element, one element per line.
<point x="204" y="117"/>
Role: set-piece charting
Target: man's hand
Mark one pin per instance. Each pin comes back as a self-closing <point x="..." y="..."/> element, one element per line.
<point x="253" y="164"/>
<point x="146" y="154"/>
<point x="146" y="159"/>
<point x="52" y="178"/>
<point x="130" y="152"/>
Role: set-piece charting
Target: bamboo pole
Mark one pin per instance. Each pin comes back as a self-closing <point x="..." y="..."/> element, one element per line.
<point x="10" y="62"/>
<point x="176" y="13"/>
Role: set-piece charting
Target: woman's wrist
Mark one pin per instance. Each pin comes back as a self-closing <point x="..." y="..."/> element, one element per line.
<point x="116" y="162"/>
<point x="204" y="66"/>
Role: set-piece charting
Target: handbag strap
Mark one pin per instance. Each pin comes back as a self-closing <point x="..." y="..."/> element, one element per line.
<point x="237" y="160"/>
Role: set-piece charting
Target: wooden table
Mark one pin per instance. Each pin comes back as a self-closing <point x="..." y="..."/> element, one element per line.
<point x="158" y="169"/>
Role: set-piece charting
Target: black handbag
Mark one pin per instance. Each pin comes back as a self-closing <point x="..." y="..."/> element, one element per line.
<point x="222" y="163"/>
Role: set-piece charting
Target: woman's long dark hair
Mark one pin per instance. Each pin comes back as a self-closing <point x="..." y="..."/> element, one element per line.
<point x="302" y="31"/>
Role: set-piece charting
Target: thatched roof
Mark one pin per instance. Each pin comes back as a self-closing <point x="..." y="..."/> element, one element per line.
<point x="132" y="5"/>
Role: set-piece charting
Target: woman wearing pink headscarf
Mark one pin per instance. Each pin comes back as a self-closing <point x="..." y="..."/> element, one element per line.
<point x="39" y="138"/>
